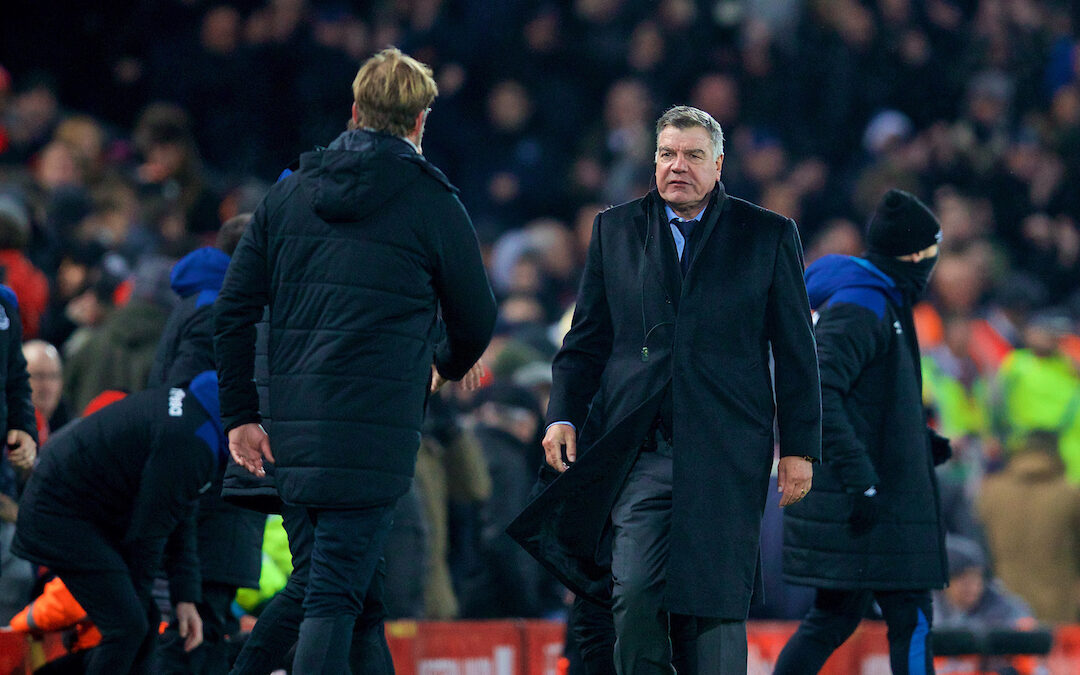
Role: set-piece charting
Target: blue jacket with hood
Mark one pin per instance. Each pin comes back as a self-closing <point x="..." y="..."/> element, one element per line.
<point x="187" y="343"/>
<point x="230" y="539"/>
<point x="873" y="434"/>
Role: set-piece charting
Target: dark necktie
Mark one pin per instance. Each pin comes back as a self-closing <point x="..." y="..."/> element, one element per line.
<point x="686" y="227"/>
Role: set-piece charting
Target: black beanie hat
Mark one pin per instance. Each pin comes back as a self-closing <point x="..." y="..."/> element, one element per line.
<point x="901" y="224"/>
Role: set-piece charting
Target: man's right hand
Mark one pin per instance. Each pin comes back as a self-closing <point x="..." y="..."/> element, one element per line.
<point x="22" y="450"/>
<point x="865" y="511"/>
<point x="560" y="436"/>
<point x="249" y="446"/>
<point x="469" y="382"/>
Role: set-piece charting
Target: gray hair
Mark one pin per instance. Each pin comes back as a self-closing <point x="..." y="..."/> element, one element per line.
<point x="685" y="117"/>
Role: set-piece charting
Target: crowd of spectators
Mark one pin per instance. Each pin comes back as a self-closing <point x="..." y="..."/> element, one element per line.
<point x="130" y="130"/>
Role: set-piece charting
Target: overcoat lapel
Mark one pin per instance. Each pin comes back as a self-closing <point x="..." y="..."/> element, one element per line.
<point x="717" y="203"/>
<point x="663" y="258"/>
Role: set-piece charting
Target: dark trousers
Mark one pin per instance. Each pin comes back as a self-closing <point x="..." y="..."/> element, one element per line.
<point x="836" y="614"/>
<point x="212" y="656"/>
<point x="126" y="617"/>
<point x="281" y="622"/>
<point x="590" y="641"/>
<point x="590" y="629"/>
<point x="641" y="523"/>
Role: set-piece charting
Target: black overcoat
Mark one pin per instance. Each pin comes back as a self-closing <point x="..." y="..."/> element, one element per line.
<point x="639" y="325"/>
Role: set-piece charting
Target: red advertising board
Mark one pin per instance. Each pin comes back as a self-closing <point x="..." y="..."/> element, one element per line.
<point x="535" y="647"/>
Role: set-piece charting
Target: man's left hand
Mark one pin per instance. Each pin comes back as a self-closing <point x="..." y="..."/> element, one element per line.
<point x="190" y="624"/>
<point x="9" y="509"/>
<point x="249" y="446"/>
<point x="793" y="478"/>
<point x="22" y="450"/>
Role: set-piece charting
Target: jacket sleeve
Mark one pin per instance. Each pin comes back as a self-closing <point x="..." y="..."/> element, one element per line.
<point x="178" y="465"/>
<point x="238" y="307"/>
<point x="465" y="297"/>
<point x="195" y="351"/>
<point x="791" y="334"/>
<point x="585" y="350"/>
<point x="54" y="609"/>
<point x="182" y="559"/>
<point x="848" y="339"/>
<point x="20" y="409"/>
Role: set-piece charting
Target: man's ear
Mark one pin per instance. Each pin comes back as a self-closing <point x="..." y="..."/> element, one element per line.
<point x="418" y="123"/>
<point x="355" y="114"/>
<point x="719" y="165"/>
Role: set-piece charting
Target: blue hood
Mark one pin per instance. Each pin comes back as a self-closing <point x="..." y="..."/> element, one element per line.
<point x="202" y="270"/>
<point x="842" y="278"/>
<point x="204" y="387"/>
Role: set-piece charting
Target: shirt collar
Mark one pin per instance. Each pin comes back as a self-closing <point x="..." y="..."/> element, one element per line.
<point x="671" y="215"/>
<point x="404" y="138"/>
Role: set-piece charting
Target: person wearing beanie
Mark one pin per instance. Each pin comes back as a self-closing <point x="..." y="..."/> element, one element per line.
<point x="112" y="499"/>
<point x="973" y="601"/>
<point x="871" y="529"/>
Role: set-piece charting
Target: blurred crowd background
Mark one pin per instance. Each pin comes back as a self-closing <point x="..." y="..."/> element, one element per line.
<point x="130" y="130"/>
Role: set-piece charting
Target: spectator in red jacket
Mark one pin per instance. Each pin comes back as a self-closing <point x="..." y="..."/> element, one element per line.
<point x="29" y="283"/>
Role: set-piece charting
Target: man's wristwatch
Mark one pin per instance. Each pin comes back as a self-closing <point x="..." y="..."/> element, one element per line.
<point x="812" y="460"/>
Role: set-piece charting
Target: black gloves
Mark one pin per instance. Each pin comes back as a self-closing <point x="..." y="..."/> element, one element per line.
<point x="940" y="447"/>
<point x="865" y="510"/>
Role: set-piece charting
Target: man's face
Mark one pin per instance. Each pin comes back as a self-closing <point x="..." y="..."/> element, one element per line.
<point x="685" y="169"/>
<point x="966" y="588"/>
<point x="46" y="382"/>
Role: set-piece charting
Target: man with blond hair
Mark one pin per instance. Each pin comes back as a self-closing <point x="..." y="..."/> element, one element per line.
<point x="376" y="292"/>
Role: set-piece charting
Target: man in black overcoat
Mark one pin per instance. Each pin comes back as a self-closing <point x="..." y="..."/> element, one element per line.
<point x="664" y="384"/>
<point x="872" y="529"/>
<point x="357" y="254"/>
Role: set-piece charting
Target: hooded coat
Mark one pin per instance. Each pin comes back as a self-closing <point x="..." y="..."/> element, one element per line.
<point x="640" y="327"/>
<point x="186" y="347"/>
<point x="356" y="253"/>
<point x="229" y="538"/>
<point x="873" y="434"/>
